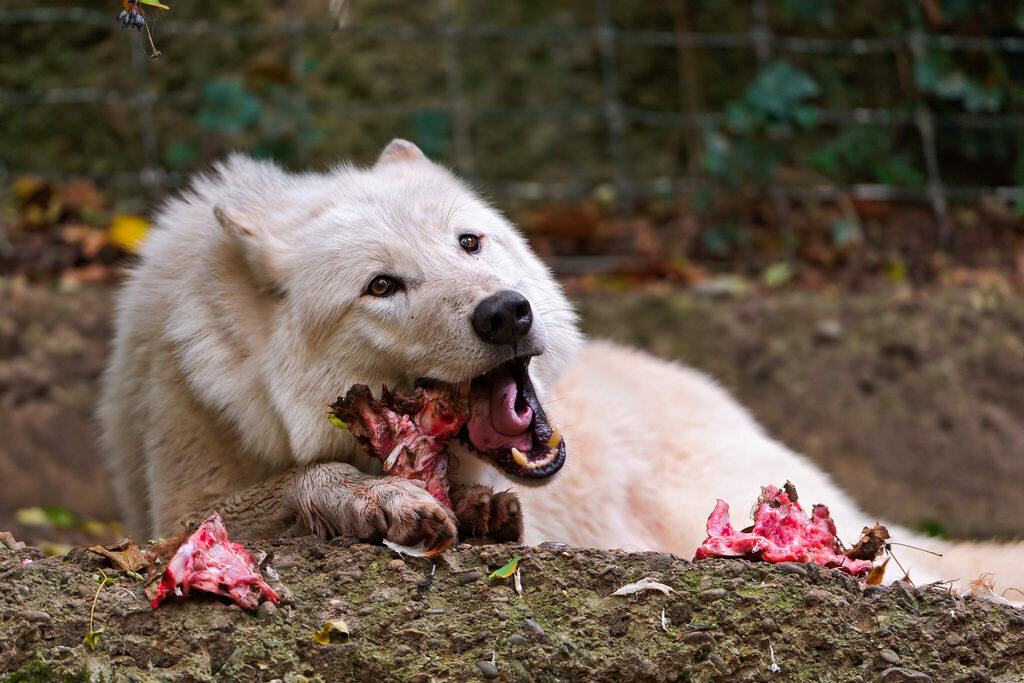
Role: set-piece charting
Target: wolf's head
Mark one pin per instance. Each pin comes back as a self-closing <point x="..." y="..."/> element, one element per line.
<point x="396" y="274"/>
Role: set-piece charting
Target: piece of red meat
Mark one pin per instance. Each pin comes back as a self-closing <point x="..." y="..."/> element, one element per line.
<point x="409" y="434"/>
<point x="782" y="532"/>
<point x="207" y="561"/>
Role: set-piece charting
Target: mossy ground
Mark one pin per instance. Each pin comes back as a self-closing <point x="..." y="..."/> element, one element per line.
<point x="724" y="621"/>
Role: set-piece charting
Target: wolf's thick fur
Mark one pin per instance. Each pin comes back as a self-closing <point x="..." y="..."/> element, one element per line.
<point x="247" y="316"/>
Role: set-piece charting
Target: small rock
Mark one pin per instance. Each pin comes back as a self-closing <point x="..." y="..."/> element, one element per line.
<point x="34" y="615"/>
<point x="86" y="591"/>
<point x="468" y="577"/>
<point x="888" y="656"/>
<point x="535" y="627"/>
<point x="900" y="675"/>
<point x="828" y="330"/>
<point x="792" y="568"/>
<point x="403" y="651"/>
<point x="419" y="678"/>
<point x="487" y="669"/>
<point x="286" y="563"/>
<point x="712" y="594"/>
<point x="267" y="610"/>
<point x="816" y="596"/>
<point x="396" y="564"/>
<point x="952" y="640"/>
<point x="700" y="638"/>
<point x="322" y="592"/>
<point x="366" y="611"/>
<point x="769" y="626"/>
<point x="434" y="610"/>
<point x="517" y="639"/>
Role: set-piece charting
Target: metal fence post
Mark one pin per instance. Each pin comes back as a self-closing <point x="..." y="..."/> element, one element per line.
<point x="461" y="133"/>
<point x="606" y="38"/>
<point x="926" y="128"/>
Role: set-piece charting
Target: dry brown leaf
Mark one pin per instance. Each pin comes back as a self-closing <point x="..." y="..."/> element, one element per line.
<point x="874" y="577"/>
<point x="126" y="556"/>
<point x="871" y="543"/>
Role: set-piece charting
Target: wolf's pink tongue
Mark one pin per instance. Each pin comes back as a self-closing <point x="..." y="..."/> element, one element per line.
<point x="504" y="416"/>
<point x="494" y="421"/>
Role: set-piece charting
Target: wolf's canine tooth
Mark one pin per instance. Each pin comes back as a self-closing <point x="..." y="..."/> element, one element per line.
<point x="518" y="456"/>
<point x="556" y="438"/>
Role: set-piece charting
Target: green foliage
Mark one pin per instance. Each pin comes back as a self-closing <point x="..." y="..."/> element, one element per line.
<point x="933" y="528"/>
<point x="821" y="11"/>
<point x="228" y="107"/>
<point x="936" y="75"/>
<point x="866" y="154"/>
<point x="759" y="126"/>
<point x="433" y="132"/>
<point x="278" y="119"/>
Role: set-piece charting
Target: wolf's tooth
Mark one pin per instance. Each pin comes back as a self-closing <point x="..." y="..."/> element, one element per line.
<point x="556" y="438"/>
<point x="518" y="456"/>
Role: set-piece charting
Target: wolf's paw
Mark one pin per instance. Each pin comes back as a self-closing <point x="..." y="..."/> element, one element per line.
<point x="482" y="512"/>
<point x="335" y="499"/>
<point x="406" y="514"/>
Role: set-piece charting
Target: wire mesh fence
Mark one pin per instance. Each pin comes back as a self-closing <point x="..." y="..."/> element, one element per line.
<point x="476" y="86"/>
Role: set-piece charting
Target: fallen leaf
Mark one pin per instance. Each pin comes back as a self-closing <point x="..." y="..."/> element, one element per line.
<point x="507" y="570"/>
<point x="647" y="584"/>
<point x="128" y="232"/>
<point x="874" y="577"/>
<point x="92" y="638"/>
<point x="336" y="421"/>
<point x="871" y="543"/>
<point x="332" y="632"/>
<point x="126" y="556"/>
<point x="7" y="540"/>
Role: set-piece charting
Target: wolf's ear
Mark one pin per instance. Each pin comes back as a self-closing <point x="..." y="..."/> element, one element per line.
<point x="400" y="150"/>
<point x="235" y="222"/>
<point x="262" y="249"/>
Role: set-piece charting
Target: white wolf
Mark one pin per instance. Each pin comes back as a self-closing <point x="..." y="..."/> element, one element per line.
<point x="261" y="295"/>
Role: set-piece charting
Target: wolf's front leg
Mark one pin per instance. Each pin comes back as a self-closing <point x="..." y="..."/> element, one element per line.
<point x="336" y="499"/>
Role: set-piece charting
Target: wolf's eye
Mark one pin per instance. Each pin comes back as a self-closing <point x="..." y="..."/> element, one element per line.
<point x="469" y="243"/>
<point x="382" y="285"/>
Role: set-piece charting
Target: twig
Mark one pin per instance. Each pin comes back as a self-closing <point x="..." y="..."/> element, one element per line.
<point x="153" y="52"/>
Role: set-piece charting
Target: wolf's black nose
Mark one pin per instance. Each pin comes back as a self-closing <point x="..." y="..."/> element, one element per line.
<point x="503" y="318"/>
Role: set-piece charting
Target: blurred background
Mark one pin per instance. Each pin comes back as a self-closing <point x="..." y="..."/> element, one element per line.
<point x="820" y="203"/>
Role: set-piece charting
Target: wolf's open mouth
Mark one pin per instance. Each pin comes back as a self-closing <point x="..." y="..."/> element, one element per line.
<point x="496" y="414"/>
<point x="507" y="423"/>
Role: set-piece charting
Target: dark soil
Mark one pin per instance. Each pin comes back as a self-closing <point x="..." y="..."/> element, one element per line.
<point x="914" y="402"/>
<point x="723" y="623"/>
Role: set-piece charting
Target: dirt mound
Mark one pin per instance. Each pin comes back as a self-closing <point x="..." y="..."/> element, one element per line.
<point x="444" y="619"/>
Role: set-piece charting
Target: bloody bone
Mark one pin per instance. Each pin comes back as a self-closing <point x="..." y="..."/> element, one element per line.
<point x="409" y="434"/>
<point x="782" y="532"/>
<point x="207" y="561"/>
